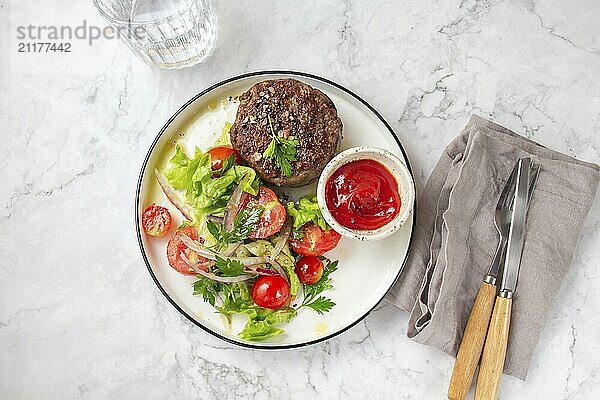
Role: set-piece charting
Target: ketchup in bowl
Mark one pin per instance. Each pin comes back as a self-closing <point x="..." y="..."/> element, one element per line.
<point x="363" y="195"/>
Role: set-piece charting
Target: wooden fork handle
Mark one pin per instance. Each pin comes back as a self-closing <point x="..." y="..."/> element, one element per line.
<point x="471" y="345"/>
<point x="494" y="351"/>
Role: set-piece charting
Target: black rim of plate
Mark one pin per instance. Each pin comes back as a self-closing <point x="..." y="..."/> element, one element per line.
<point x="139" y="186"/>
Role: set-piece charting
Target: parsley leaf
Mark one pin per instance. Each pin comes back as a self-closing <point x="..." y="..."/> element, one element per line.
<point x="229" y="267"/>
<point x="311" y="291"/>
<point x="237" y="305"/>
<point x="217" y="231"/>
<point x="207" y="288"/>
<point x="281" y="150"/>
<point x="320" y="304"/>
<point x="244" y="224"/>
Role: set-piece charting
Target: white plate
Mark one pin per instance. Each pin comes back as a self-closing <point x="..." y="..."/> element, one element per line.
<point x="366" y="270"/>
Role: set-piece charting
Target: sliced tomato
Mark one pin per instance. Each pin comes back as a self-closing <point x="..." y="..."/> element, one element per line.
<point x="314" y="240"/>
<point x="219" y="154"/>
<point x="156" y="220"/>
<point x="271" y="292"/>
<point x="175" y="247"/>
<point x="273" y="216"/>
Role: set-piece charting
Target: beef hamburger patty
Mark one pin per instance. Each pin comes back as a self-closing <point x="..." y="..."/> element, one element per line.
<point x="294" y="109"/>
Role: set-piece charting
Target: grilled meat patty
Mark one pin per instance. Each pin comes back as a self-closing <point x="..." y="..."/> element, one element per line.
<point x="294" y="109"/>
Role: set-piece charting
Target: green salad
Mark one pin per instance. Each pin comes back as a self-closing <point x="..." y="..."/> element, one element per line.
<point x="249" y="253"/>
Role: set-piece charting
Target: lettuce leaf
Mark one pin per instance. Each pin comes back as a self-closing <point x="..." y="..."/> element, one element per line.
<point x="294" y="280"/>
<point x="207" y="194"/>
<point x="248" y="180"/>
<point x="287" y="261"/>
<point x="224" y="139"/>
<point x="306" y="211"/>
<point x="261" y="321"/>
<point x="259" y="330"/>
<point x="262" y="325"/>
<point x="180" y="175"/>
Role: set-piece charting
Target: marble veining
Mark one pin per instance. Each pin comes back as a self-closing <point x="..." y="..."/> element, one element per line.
<point x="80" y="317"/>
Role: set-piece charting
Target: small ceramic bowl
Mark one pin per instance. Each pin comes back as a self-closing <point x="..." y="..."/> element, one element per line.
<point x="397" y="168"/>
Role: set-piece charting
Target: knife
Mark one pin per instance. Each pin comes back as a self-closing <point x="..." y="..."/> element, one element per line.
<point x="494" y="351"/>
<point x="473" y="338"/>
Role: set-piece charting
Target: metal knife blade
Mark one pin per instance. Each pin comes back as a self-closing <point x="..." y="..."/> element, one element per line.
<point x="502" y="222"/>
<point x="514" y="249"/>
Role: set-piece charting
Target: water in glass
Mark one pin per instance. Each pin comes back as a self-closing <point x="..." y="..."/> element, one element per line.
<point x="163" y="33"/>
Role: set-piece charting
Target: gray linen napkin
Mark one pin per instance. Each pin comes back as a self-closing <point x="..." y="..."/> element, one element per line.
<point x="455" y="238"/>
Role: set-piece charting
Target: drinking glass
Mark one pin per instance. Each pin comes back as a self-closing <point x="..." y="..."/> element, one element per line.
<point x="166" y="34"/>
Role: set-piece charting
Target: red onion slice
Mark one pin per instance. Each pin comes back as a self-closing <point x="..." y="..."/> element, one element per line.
<point x="196" y="246"/>
<point x="278" y="268"/>
<point x="225" y="279"/>
<point x="214" y="218"/>
<point x="231" y="249"/>
<point x="173" y="196"/>
<point x="283" y="238"/>
<point x="260" y="271"/>
<point x="231" y="207"/>
<point x="211" y="255"/>
<point x="206" y="264"/>
<point x="248" y="261"/>
<point x="196" y="267"/>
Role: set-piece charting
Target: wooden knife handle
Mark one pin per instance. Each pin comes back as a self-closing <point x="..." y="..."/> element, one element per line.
<point x="494" y="351"/>
<point x="472" y="343"/>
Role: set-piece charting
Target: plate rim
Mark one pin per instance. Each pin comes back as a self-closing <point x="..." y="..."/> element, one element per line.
<point x="145" y="164"/>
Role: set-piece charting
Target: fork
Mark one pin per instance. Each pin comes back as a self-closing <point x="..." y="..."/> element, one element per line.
<point x="473" y="339"/>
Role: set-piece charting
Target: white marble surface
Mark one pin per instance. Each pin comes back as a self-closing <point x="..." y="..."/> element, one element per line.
<point x="80" y="317"/>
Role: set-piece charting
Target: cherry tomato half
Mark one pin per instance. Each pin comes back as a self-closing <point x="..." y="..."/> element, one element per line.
<point x="219" y="154"/>
<point x="156" y="220"/>
<point x="175" y="247"/>
<point x="309" y="269"/>
<point x="314" y="240"/>
<point x="271" y="292"/>
<point x="273" y="216"/>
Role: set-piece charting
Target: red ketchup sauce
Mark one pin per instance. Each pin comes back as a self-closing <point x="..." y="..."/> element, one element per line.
<point x="362" y="195"/>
